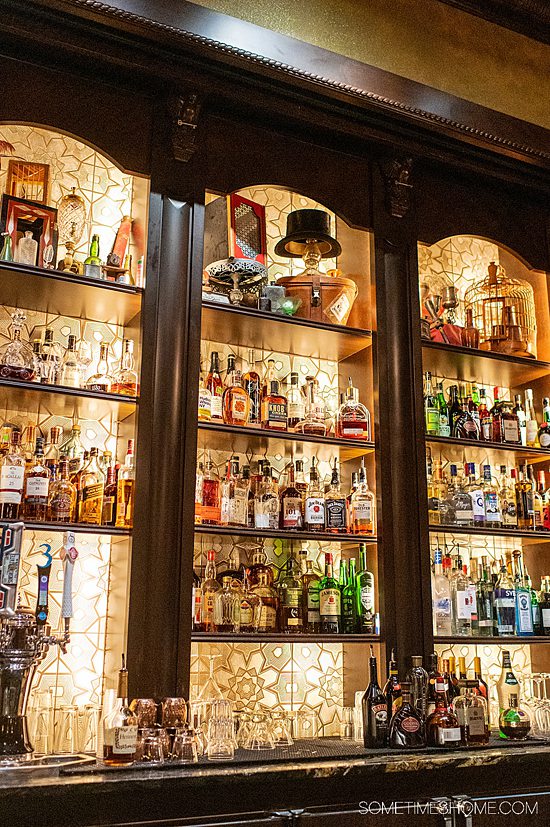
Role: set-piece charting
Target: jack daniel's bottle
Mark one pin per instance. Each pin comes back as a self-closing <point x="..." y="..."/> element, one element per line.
<point x="120" y="727"/>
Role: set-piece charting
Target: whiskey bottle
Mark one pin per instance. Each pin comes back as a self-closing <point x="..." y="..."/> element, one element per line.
<point x="215" y="385"/>
<point x="525" y="500"/>
<point x="37" y="483"/>
<point x="125" y="379"/>
<point x="204" y="401"/>
<point x="91" y="488"/>
<point x="268" y="604"/>
<point x="295" y="402"/>
<point x="291" y="516"/>
<point x="335" y="505"/>
<point x="329" y="600"/>
<point x="362" y="505"/>
<point x="310" y="597"/>
<point x="110" y="497"/>
<point x="314" y="517"/>
<point x="211" y="501"/>
<point x="12" y="478"/>
<point x="227" y="606"/>
<point x="209" y="588"/>
<point x="274" y="409"/>
<point x="101" y="380"/>
<point x="120" y="727"/>
<point x="71" y="374"/>
<point x="442" y="726"/>
<point x="406" y="730"/>
<point x="63" y="496"/>
<point x="235" y="400"/>
<point x="353" y="420"/>
<point x="291" y="617"/>
<point x="125" y="490"/>
<point x="234" y="496"/>
<point x="266" y="503"/>
<point x="375" y="710"/>
<point x="270" y="376"/>
<point x="252" y="385"/>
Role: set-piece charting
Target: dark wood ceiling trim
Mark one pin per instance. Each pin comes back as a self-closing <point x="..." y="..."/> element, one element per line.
<point x="240" y="44"/>
<point x="528" y="17"/>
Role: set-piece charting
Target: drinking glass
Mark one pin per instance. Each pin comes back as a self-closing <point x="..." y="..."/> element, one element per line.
<point x="305" y="724"/>
<point x="42" y="730"/>
<point x="184" y="747"/>
<point x="65" y="731"/>
<point x="260" y="736"/>
<point x="145" y="710"/>
<point x="210" y="689"/>
<point x="347" y="727"/>
<point x="243" y="724"/>
<point x="174" y="712"/>
<point x="152" y="746"/>
<point x="221" y="743"/>
<point x="88" y="728"/>
<point x="282" y="728"/>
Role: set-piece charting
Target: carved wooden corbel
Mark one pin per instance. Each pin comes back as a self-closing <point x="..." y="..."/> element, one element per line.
<point x="397" y="174"/>
<point x="184" y="112"/>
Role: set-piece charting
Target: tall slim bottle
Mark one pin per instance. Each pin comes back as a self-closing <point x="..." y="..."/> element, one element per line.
<point x="375" y="710"/>
<point x="365" y="594"/>
<point x="120" y="727"/>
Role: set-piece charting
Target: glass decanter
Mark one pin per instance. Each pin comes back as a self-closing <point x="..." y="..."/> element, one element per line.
<point x="353" y="417"/>
<point x="26" y="250"/>
<point x="16" y="357"/>
<point x="315" y="418"/>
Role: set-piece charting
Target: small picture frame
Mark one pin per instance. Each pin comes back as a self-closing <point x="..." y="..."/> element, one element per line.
<point x="19" y="216"/>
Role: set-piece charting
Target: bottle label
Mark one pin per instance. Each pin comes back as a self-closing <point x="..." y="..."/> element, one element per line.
<point x="313" y="613"/>
<point x="464" y="513"/>
<point x="544" y="438"/>
<point x="491" y="507"/>
<point x="336" y="513"/>
<point x="60" y="507"/>
<point x="37" y="488"/>
<point x="511" y="430"/>
<point x="291" y="598"/>
<point x="329" y="602"/>
<point x="444" y="427"/>
<point x="267" y="618"/>
<point x="463" y="605"/>
<point x="211" y="513"/>
<point x="475" y="720"/>
<point x="432" y="420"/>
<point x="487" y="430"/>
<point x="524" y="617"/>
<point x="509" y="512"/>
<point x="292" y="512"/>
<point x="216" y="407"/>
<point x="315" y="511"/>
<point x="91" y="503"/>
<point x="124" y="740"/>
<point x="296" y="410"/>
<point x="450" y="735"/>
<point x="546" y="618"/>
<point x="367" y="599"/>
<point x="362" y="511"/>
<point x="235" y="510"/>
<point x="410" y="724"/>
<point x="478" y="505"/>
<point x="205" y="404"/>
<point x="238" y="408"/>
<point x="246" y="613"/>
<point x="442" y="607"/>
<point x="11" y="484"/>
<point x="532" y="431"/>
<point x="275" y="414"/>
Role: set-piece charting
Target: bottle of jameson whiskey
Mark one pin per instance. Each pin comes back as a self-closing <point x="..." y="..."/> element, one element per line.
<point x="120" y="727"/>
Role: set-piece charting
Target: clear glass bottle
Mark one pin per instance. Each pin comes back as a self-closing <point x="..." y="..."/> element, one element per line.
<point x="522" y="418"/>
<point x="101" y="380"/>
<point x="484" y="602"/>
<point x="291" y="617"/>
<point x="16" y="356"/>
<point x="418" y="681"/>
<point x="314" y="422"/>
<point x="462" y="508"/>
<point x="214" y="385"/>
<point x="234" y="496"/>
<point x="249" y="606"/>
<point x="314" y="511"/>
<point x="295" y="402"/>
<point x="51" y="359"/>
<point x="266" y="503"/>
<point x="227" y="607"/>
<point x="63" y="496"/>
<point x="461" y="597"/>
<point x="485" y="418"/>
<point x="441" y="598"/>
<point x="363" y="506"/>
<point x="120" y="727"/>
<point x="70" y="374"/>
<point x="252" y="385"/>
<point x="491" y="502"/>
<point x="37" y="485"/>
<point x="211" y="495"/>
<point x="125" y="490"/>
<point x="209" y="589"/>
<point x="531" y="425"/>
<point x="507" y="498"/>
<point x="125" y="379"/>
<point x="471" y="712"/>
<point x="91" y="488"/>
<point x="266" y="620"/>
<point x="505" y="603"/>
<point x="353" y="420"/>
<point x="12" y="478"/>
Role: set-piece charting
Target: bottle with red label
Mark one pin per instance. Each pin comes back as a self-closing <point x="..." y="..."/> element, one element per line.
<point x="406" y="729"/>
<point x="375" y="710"/>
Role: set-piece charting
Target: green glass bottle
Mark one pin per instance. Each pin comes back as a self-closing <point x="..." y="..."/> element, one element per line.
<point x="365" y="594"/>
<point x="349" y="602"/>
<point x="444" y="425"/>
<point x="329" y="600"/>
<point x="94" y="258"/>
<point x="6" y="254"/>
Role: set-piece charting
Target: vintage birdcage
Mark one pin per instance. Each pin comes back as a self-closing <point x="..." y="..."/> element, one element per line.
<point x="503" y="310"/>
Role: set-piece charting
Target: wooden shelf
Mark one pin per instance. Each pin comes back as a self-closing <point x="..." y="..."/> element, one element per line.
<point x="78" y="528"/>
<point x="241" y="531"/>
<point x="478" y="445"/>
<point x="77" y="403"/>
<point x="533" y="536"/>
<point x="245" y="327"/>
<point x="469" y="364"/>
<point x="279" y="637"/>
<point x="64" y="294"/>
<point x="491" y="641"/>
<point x="216" y="436"/>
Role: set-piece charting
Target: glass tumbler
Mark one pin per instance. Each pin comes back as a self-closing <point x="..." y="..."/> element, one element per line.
<point x="184" y="747"/>
<point x="221" y="740"/>
<point x="65" y="731"/>
<point x="174" y="712"/>
<point x="305" y="724"/>
<point x="145" y="710"/>
<point x="347" y="729"/>
<point x="152" y="746"/>
<point x="282" y="728"/>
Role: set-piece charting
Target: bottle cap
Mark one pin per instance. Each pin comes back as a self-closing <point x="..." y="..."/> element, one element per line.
<point x="416" y="660"/>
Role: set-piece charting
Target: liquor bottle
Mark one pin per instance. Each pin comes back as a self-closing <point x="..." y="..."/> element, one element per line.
<point x="431" y="410"/>
<point x="365" y="594"/>
<point x="37" y="484"/>
<point x="523" y="611"/>
<point x="63" y="496"/>
<point x="442" y="727"/>
<point x="433" y="673"/>
<point x="507" y="684"/>
<point x="470" y="333"/>
<point x="474" y="488"/>
<point x="18" y="360"/>
<point x="544" y="430"/>
<point x="350" y="616"/>
<point x="301" y="483"/>
<point x="310" y="597"/>
<point x="91" y="488"/>
<point x="441" y="598"/>
<point x="491" y="504"/>
<point x="291" y="617"/>
<point x="234" y="497"/>
<point x="226" y="609"/>
<point x="196" y="604"/>
<point x="72" y="449"/>
<point x="120" y="727"/>
<point x="417" y="678"/>
<point x="235" y="400"/>
<point x="514" y="723"/>
<point x="375" y="710"/>
<point x="466" y="424"/>
<point x="353" y="419"/>
<point x="51" y="357"/>
<point x="329" y="600"/>
<point x="101" y="380"/>
<point x="454" y="687"/>
<point x="448" y="675"/>
<point x="249" y="608"/>
<point x="444" y="428"/>
<point x="209" y="589"/>
<point x="461" y="506"/>
<point x="504" y="603"/>
<point x="295" y="402"/>
<point x="51" y="448"/>
<point x="455" y="407"/>
<point x="484" y="602"/>
<point x="270" y="375"/>
<point x="204" y="411"/>
<point x="94" y="258"/>
<point x="108" y="516"/>
<point x="215" y="385"/>
<point x="259" y="567"/>
<point x="211" y="495"/>
<point x="125" y="379"/>
<point x="314" y="422"/>
<point x="392" y="689"/>
<point x="291" y="516"/>
<point x="532" y="427"/>
<point x="314" y="510"/>
<point x="125" y="490"/>
<point x="266" y="620"/>
<point x="362" y="504"/>
<point x="522" y="418"/>
<point x="482" y="687"/>
<point x="471" y="712"/>
<point x="535" y="605"/>
<point x="439" y="495"/>
<point x="252" y="385"/>
<point x="70" y="374"/>
<point x="544" y="606"/>
<point x="462" y="603"/>
<point x="507" y="498"/>
<point x="485" y="418"/>
<point x="12" y="478"/>
<point x="540" y="501"/>
<point x="335" y="505"/>
<point x="266" y="503"/>
<point x="406" y="730"/>
<point x="274" y="409"/>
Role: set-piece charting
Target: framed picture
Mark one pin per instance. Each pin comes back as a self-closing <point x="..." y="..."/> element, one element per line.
<point x="28" y="180"/>
<point x="20" y="217"/>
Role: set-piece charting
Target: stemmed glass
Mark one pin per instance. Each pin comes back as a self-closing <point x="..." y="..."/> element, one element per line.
<point x="199" y="709"/>
<point x="210" y="689"/>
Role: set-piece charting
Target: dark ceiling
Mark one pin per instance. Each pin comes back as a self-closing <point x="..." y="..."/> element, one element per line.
<point x="529" y="17"/>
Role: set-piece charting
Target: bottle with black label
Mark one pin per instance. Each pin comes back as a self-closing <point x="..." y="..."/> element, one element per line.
<point x="335" y="505"/>
<point x="375" y="710"/>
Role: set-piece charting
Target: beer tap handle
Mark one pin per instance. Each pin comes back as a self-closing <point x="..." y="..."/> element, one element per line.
<point x="43" y="586"/>
<point x="68" y="556"/>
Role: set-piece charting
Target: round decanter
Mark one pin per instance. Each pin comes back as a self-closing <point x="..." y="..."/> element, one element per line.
<point x="16" y="356"/>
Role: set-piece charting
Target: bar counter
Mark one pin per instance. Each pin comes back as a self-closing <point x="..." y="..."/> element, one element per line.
<point x="234" y="793"/>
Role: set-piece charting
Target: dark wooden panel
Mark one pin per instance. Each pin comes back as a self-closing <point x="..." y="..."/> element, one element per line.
<point x="529" y="17"/>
